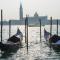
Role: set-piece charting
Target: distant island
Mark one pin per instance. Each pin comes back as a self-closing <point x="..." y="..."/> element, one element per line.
<point x="32" y="21"/>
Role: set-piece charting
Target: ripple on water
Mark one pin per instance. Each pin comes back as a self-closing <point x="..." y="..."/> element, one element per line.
<point x="36" y="50"/>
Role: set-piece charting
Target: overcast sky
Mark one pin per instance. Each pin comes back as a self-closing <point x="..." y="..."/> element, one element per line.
<point x="43" y="7"/>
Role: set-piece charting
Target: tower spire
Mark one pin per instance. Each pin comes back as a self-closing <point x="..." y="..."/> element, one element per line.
<point x="21" y="11"/>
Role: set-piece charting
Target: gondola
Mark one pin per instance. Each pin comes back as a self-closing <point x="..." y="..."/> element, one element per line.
<point x="13" y="43"/>
<point x="53" y="40"/>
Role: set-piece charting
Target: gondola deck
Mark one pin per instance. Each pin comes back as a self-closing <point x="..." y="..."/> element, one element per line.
<point x="13" y="43"/>
<point x="53" y="41"/>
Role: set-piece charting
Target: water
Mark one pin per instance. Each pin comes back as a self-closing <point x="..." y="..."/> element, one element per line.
<point x="36" y="50"/>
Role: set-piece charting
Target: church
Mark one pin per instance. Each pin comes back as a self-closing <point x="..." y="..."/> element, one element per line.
<point x="34" y="20"/>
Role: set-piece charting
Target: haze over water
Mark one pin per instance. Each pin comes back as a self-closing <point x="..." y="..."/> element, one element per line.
<point x="11" y="8"/>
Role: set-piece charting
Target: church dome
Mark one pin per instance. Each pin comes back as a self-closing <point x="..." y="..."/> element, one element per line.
<point x="36" y="14"/>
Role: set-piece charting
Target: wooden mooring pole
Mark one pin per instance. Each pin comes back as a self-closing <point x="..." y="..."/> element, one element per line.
<point x="26" y="32"/>
<point x="40" y="37"/>
<point x="50" y="31"/>
<point x="1" y="23"/>
<point x="57" y="26"/>
<point x="50" y="26"/>
<point x="9" y="28"/>
<point x="40" y="29"/>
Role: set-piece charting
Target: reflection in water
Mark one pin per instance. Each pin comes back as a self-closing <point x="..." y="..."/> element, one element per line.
<point x="6" y="54"/>
<point x="36" y="50"/>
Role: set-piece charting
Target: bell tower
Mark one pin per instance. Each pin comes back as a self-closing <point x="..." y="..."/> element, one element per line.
<point x="21" y="11"/>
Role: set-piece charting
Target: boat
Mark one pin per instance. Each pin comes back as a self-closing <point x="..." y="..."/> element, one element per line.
<point x="46" y="35"/>
<point x="13" y="43"/>
<point x="53" y="40"/>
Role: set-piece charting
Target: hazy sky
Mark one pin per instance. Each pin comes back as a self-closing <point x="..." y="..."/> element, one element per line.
<point x="43" y="7"/>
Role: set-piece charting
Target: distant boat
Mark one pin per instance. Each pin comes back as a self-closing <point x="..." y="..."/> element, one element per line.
<point x="13" y="43"/>
<point x="53" y="41"/>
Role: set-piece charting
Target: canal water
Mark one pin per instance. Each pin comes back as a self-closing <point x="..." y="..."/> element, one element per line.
<point x="36" y="50"/>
